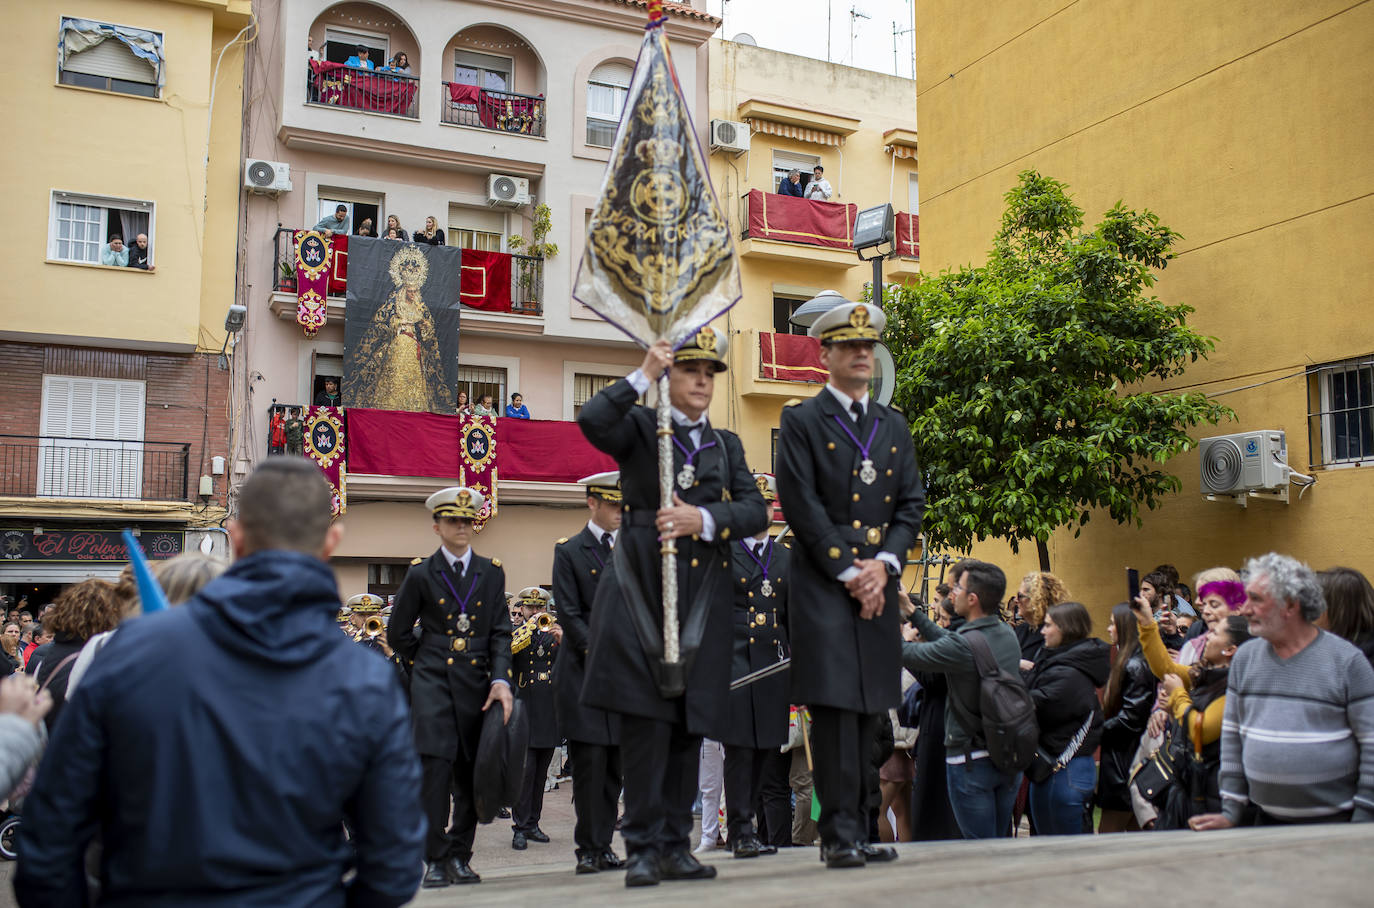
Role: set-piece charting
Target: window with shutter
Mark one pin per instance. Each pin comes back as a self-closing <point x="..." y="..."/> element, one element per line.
<point x="607" y="88"/>
<point x="101" y="56"/>
<point x="80" y="226"/>
<point x="92" y="438"/>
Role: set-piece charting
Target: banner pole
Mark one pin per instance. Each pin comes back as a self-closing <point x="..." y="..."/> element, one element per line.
<point x="668" y="549"/>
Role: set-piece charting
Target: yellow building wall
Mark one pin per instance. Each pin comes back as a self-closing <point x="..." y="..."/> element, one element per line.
<point x="1247" y="127"/>
<point x="860" y="171"/>
<point x="111" y="144"/>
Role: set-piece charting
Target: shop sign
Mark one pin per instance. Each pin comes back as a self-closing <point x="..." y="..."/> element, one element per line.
<point x="85" y="546"/>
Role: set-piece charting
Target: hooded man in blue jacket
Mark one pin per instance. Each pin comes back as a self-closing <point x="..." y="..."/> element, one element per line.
<point x="220" y="747"/>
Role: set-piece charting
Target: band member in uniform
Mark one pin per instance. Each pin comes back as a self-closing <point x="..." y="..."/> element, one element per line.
<point x="460" y="666"/>
<point x="758" y="711"/>
<point x="848" y="475"/>
<point x="593" y="735"/>
<point x="363" y="608"/>
<point x="533" y="647"/>
<point x="664" y="716"/>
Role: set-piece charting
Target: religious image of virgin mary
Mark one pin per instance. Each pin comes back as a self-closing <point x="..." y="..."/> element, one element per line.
<point x="401" y="368"/>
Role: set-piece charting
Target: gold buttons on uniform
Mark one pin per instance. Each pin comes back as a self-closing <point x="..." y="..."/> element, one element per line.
<point x="857" y="524"/>
<point x="760" y="619"/>
<point x="855" y="551"/>
<point x="830" y="446"/>
<point x="460" y="644"/>
<point x="875" y="535"/>
<point x="834" y="551"/>
<point x="887" y="498"/>
<point x="450" y="660"/>
<point x="889" y="472"/>
<point x="856" y="496"/>
<point x="894" y="449"/>
<point x="725" y="533"/>
<point x="694" y="562"/>
<point x="751" y="594"/>
<point x="441" y="600"/>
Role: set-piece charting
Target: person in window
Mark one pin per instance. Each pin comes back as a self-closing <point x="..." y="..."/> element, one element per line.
<point x="516" y="409"/>
<point x="464" y="404"/>
<point x="310" y="52"/>
<point x="485" y="406"/>
<point x="138" y="253"/>
<point x="431" y="234"/>
<point x="818" y="190"/>
<point x="391" y="234"/>
<point x="114" y="253"/>
<point x="394" y="223"/>
<point x="398" y="64"/>
<point x="339" y="223"/>
<point x="360" y="59"/>
<point x="365" y="228"/>
<point x="791" y="185"/>
<point x="329" y="397"/>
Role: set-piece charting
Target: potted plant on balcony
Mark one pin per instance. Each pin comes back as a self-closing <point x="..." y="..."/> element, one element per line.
<point x="287" y="281"/>
<point x="538" y="249"/>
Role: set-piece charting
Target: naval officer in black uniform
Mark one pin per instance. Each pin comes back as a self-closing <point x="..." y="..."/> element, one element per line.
<point x="758" y="711"/>
<point x="664" y="716"/>
<point x="848" y="478"/>
<point x="593" y="735"/>
<point x="533" y="650"/>
<point x="460" y="666"/>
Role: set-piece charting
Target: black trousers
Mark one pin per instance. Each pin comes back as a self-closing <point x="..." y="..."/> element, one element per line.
<point x="842" y="748"/>
<point x="596" y="794"/>
<point x="773" y="807"/>
<point x="444" y="782"/>
<point x="660" y="786"/>
<point x="743" y="779"/>
<point x="531" y="805"/>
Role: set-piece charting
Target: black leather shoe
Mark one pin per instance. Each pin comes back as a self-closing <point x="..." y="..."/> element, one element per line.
<point x="842" y="856"/>
<point x="875" y="854"/>
<point x="746" y="845"/>
<point x="503" y="813"/>
<point x="767" y="849"/>
<point x="537" y="835"/>
<point x="642" y="870"/>
<point x="460" y="872"/>
<point x="435" y="876"/>
<point x="680" y="865"/>
<point x="587" y="863"/>
<point x="517" y="841"/>
<point x="609" y="860"/>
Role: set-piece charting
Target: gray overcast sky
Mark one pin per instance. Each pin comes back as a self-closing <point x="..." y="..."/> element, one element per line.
<point x="799" y="27"/>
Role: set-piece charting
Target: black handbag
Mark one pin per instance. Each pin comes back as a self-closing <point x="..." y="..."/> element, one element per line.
<point x="1043" y="765"/>
<point x="1155" y="778"/>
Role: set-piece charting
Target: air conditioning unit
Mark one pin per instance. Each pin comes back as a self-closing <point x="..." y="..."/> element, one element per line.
<point x="729" y="135"/>
<point x="267" y="177"/>
<point x="509" y="191"/>
<point x="1245" y="462"/>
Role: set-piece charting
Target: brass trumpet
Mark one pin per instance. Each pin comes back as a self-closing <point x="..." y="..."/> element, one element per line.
<point x="374" y="626"/>
<point x="521" y="638"/>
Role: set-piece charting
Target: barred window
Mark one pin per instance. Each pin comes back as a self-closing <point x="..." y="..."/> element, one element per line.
<point x="1340" y="412"/>
<point x="480" y="380"/>
<point x="585" y="388"/>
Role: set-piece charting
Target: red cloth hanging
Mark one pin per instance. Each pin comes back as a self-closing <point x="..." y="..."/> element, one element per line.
<point x="794" y="220"/>
<point x="908" y="235"/>
<point x="791" y="357"/>
<point x="395" y="443"/>
<point x="539" y="450"/>
<point x="485" y="280"/>
<point x="361" y="89"/>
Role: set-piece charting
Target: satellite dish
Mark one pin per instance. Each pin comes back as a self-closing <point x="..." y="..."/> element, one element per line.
<point x="746" y="39"/>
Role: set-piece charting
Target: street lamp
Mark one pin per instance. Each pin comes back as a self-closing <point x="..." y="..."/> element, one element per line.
<point x="874" y="228"/>
<point x="884" y="369"/>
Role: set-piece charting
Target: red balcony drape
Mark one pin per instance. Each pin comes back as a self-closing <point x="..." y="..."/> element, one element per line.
<point x="791" y="357"/>
<point x="794" y="220"/>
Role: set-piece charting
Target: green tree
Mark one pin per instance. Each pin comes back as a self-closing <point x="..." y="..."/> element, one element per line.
<point x="1022" y="377"/>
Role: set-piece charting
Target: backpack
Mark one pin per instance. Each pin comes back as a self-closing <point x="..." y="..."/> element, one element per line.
<point x="1009" y="729"/>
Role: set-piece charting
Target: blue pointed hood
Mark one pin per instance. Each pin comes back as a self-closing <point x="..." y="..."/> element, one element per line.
<point x="276" y="606"/>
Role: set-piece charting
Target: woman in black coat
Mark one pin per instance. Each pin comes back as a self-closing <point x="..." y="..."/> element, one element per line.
<point x="932" y="819"/>
<point x="1063" y="686"/>
<point x="1126" y="705"/>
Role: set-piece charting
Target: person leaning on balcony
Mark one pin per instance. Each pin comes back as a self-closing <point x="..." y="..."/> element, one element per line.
<point x="138" y="253"/>
<point x="394" y="223"/>
<point x="398" y="64"/>
<point x="114" y="253"/>
<point x="360" y="59"/>
<point x="431" y="234"/>
<point x="485" y="406"/>
<point x="791" y="184"/>
<point x="339" y="223"/>
<point x="516" y="409"/>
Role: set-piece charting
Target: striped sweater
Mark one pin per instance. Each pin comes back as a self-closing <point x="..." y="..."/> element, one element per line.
<point x="1297" y="737"/>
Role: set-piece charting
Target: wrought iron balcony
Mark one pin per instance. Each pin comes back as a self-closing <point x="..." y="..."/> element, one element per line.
<point x="34" y="466"/>
<point x="503" y="111"/>
<point x="366" y="90"/>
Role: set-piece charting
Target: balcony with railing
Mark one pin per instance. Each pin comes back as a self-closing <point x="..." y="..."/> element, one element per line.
<point x="525" y="290"/>
<point x="503" y="111"/>
<point x="33" y="466"/>
<point x="362" y="89"/>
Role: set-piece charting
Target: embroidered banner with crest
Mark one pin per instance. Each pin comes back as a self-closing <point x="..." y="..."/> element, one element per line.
<point x="324" y="443"/>
<point x="314" y="261"/>
<point x="659" y="262"/>
<point x="477" y="461"/>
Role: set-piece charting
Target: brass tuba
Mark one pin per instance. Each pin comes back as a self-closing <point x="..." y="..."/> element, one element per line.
<point x="521" y="638"/>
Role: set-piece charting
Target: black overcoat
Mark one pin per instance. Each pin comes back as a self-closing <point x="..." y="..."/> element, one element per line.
<point x="840" y="660"/>
<point x="578" y="566"/>
<point x="759" y="711"/>
<point x="627" y="620"/>
<point x="533" y="667"/>
<point x="448" y="686"/>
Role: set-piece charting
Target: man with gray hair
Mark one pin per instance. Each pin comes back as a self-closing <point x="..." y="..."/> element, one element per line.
<point x="1297" y="735"/>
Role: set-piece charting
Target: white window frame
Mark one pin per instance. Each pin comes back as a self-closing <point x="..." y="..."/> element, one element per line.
<point x="784" y="162"/>
<point x="1325" y="374"/>
<point x="571" y="369"/>
<point x="509" y="71"/>
<point x="510" y="363"/>
<point x="60" y="196"/>
<point x="610" y="119"/>
<point x="913" y="193"/>
<point x="353" y="35"/>
<point x="107" y="464"/>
